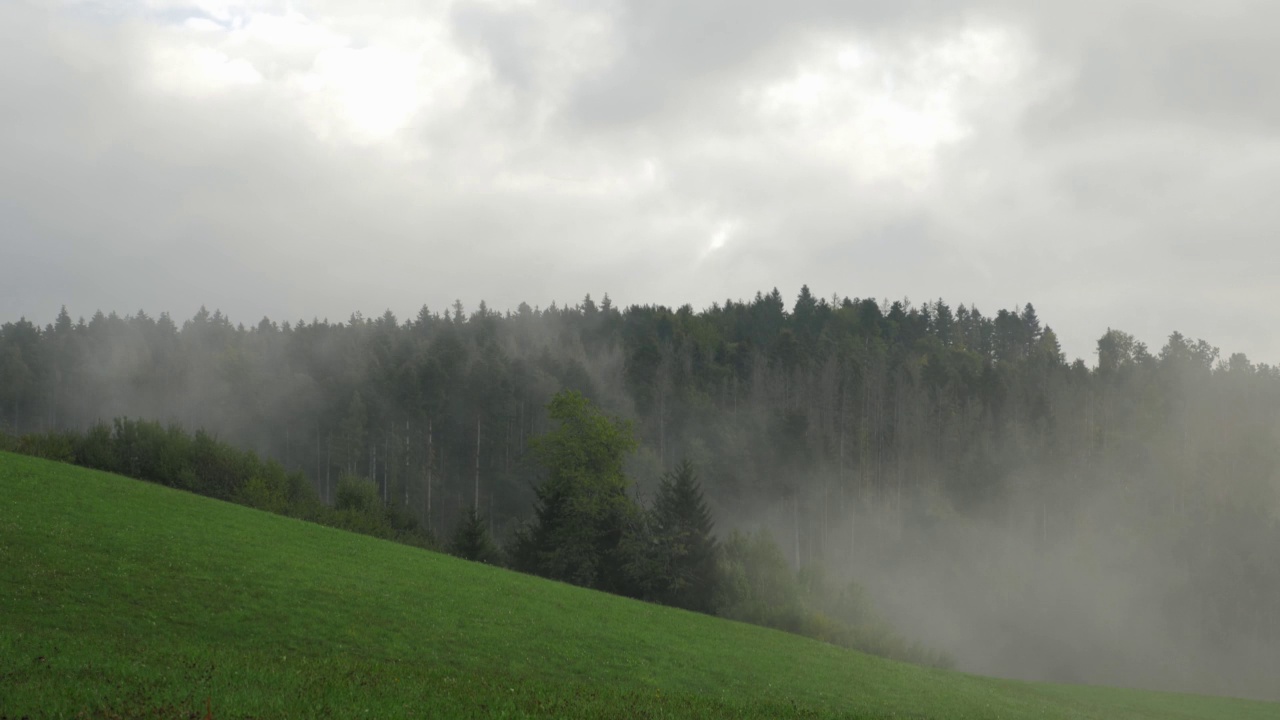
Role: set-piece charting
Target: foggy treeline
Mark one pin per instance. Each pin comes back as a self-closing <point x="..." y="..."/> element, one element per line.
<point x="1115" y="522"/>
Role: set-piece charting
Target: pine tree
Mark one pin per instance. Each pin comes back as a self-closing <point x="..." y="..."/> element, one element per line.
<point x="471" y="540"/>
<point x="682" y="539"/>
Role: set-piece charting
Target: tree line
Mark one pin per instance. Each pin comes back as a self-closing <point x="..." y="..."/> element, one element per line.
<point x="847" y="427"/>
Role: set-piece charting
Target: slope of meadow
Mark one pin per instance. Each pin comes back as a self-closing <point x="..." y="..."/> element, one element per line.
<point x="123" y="599"/>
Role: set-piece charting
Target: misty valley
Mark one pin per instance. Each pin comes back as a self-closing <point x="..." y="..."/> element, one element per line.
<point x="1005" y="443"/>
<point x="920" y="482"/>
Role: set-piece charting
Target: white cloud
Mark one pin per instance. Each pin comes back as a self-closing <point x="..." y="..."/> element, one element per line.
<point x="195" y="71"/>
<point x="373" y="92"/>
<point x="347" y="81"/>
<point x="200" y="24"/>
<point x="884" y="113"/>
<point x="1094" y="159"/>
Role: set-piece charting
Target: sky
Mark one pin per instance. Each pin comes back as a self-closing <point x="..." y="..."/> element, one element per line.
<point x="1113" y="163"/>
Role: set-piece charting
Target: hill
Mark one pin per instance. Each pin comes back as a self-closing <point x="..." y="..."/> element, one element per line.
<point x="125" y="599"/>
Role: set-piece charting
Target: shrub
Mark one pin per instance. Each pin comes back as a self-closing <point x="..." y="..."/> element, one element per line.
<point x="756" y="583"/>
<point x="356" y="494"/>
<point x="97" y="450"/>
<point x="57" y="446"/>
<point x="202" y="464"/>
<point x="271" y="489"/>
<point x="471" y="540"/>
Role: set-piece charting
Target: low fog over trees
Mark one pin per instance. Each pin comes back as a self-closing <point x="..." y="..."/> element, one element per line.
<point x="1034" y="517"/>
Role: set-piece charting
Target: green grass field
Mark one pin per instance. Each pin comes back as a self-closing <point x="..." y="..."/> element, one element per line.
<point x="123" y="599"/>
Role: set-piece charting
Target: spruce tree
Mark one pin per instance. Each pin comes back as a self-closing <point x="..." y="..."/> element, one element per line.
<point x="682" y="539"/>
<point x="471" y="540"/>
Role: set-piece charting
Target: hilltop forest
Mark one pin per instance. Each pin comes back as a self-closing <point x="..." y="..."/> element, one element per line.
<point x="1112" y="522"/>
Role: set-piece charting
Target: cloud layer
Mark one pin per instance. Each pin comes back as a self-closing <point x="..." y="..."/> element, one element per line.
<point x="1109" y="162"/>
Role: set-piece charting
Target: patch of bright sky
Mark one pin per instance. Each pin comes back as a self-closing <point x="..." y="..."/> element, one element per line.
<point x="885" y="112"/>
<point x="372" y="92"/>
<point x="362" y="89"/>
<point x="721" y="235"/>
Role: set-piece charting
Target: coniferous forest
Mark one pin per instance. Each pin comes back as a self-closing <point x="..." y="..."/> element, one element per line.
<point x="1110" y="521"/>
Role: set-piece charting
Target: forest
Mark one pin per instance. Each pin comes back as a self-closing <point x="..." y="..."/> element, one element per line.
<point x="1032" y="517"/>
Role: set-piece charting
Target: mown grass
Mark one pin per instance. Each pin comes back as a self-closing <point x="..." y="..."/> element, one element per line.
<point x="123" y="599"/>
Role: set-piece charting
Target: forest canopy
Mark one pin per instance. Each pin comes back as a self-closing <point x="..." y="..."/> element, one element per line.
<point x="865" y="436"/>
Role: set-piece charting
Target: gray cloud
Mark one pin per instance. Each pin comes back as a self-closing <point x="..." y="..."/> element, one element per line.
<point x="1108" y="162"/>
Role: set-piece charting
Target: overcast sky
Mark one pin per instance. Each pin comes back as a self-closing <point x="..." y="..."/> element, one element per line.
<point x="1114" y="163"/>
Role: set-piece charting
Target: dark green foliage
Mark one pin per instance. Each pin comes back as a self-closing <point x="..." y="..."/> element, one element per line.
<point x="356" y="494"/>
<point x="97" y="450"/>
<point x="757" y="585"/>
<point x="357" y="508"/>
<point x="204" y="465"/>
<point x="583" y="510"/>
<point x="471" y="541"/>
<point x="54" y="445"/>
<point x="848" y="425"/>
<point x="272" y="489"/>
<point x="684" y="550"/>
<point x="219" y="468"/>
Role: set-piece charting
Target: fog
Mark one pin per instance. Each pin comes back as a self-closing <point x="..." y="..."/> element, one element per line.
<point x="1095" y="601"/>
<point x="1110" y="520"/>
<point x="1110" y="523"/>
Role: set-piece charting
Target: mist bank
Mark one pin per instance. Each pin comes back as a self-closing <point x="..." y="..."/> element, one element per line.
<point x="1033" y="517"/>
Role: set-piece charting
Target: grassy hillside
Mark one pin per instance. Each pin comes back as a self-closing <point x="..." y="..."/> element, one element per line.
<point x="124" y="599"/>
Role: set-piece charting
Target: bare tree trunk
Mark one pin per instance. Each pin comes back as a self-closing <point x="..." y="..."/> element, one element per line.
<point x="52" y="419"/>
<point x="373" y="468"/>
<point x="795" y="519"/>
<point x="844" y="507"/>
<point x="430" y="462"/>
<point x="664" y="387"/>
<point x="826" y="502"/>
<point x="662" y="429"/>
<point x="476" y="504"/>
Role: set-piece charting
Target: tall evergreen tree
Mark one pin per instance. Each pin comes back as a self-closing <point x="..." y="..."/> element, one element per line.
<point x="683" y="541"/>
